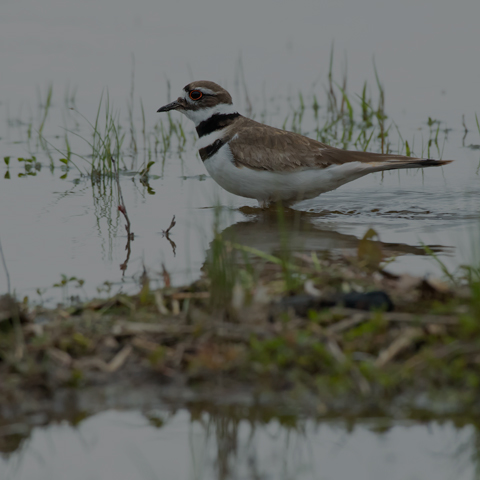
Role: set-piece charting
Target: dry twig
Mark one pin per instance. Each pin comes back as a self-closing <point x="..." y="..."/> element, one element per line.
<point x="166" y="277"/>
<point x="346" y="324"/>
<point x="402" y="342"/>
<point x="359" y="379"/>
<point x="123" y="210"/>
<point x="119" y="359"/>
<point x="167" y="231"/>
<point x="400" y="317"/>
<point x="134" y="328"/>
<point x="5" y="268"/>
<point x="418" y="361"/>
<point x="162" y="309"/>
<point x="166" y="234"/>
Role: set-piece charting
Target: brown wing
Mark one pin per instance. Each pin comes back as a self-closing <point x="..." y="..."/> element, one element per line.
<point x="261" y="147"/>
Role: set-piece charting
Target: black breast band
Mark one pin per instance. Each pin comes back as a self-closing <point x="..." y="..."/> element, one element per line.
<point x="209" y="150"/>
<point x="215" y="122"/>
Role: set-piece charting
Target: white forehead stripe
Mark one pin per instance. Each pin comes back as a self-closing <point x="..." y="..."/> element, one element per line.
<point x="206" y="91"/>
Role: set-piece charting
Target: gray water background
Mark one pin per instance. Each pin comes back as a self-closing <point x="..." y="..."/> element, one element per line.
<point x="427" y="57"/>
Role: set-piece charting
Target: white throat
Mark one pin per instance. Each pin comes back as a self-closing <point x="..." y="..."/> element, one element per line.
<point x="198" y="116"/>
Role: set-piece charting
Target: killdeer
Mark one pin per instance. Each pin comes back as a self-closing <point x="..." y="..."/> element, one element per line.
<point x="257" y="161"/>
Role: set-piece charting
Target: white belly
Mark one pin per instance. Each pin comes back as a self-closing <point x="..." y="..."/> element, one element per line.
<point x="289" y="187"/>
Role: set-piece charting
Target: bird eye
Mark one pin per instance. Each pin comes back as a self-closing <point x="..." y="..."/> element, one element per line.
<point x="195" y="94"/>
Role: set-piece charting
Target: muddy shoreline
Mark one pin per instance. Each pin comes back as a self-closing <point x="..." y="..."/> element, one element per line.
<point x="329" y="337"/>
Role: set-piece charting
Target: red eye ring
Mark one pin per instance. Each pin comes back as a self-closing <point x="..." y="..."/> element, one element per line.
<point x="195" y="94"/>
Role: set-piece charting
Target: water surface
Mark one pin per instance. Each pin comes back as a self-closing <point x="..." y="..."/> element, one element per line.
<point x="265" y="54"/>
<point x="221" y="444"/>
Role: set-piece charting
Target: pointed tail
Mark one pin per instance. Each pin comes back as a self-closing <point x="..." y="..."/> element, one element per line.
<point x="380" y="161"/>
<point x="395" y="163"/>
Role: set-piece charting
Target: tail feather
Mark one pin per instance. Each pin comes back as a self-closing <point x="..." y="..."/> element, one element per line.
<point x="396" y="163"/>
<point x="381" y="161"/>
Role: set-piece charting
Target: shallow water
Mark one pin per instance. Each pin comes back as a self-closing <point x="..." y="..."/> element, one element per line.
<point x="200" y="445"/>
<point x="53" y="226"/>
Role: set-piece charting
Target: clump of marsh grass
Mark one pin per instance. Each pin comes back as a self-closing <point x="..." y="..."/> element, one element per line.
<point x="105" y="136"/>
<point x="221" y="265"/>
<point x="106" y="141"/>
<point x="357" y="121"/>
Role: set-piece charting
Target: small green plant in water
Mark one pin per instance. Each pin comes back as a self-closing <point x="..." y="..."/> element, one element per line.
<point x="64" y="284"/>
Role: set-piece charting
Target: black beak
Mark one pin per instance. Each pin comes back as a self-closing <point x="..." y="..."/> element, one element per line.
<point x="171" y="106"/>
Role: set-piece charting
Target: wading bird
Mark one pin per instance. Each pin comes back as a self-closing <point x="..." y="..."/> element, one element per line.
<point x="254" y="160"/>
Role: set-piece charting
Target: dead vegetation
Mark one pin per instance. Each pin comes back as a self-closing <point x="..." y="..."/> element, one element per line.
<point x="340" y="328"/>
